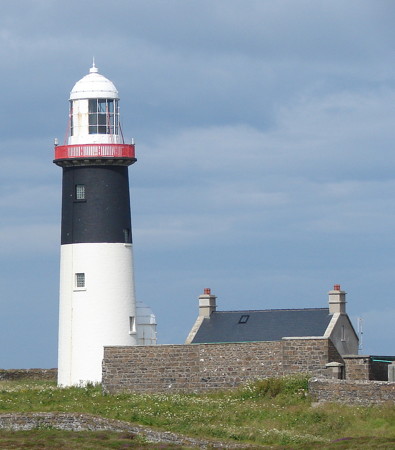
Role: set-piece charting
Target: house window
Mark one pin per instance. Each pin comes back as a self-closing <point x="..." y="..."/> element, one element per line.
<point x="80" y="191"/>
<point x="126" y="235"/>
<point x="103" y="116"/>
<point x="244" y="318"/>
<point x="343" y="336"/>
<point x="80" y="280"/>
<point x="132" y="325"/>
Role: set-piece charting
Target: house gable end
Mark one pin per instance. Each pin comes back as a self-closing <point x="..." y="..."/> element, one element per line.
<point x="341" y="332"/>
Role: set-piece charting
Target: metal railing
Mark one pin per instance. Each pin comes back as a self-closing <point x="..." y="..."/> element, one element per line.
<point x="94" y="151"/>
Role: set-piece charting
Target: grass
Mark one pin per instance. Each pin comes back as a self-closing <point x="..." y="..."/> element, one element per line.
<point x="271" y="412"/>
<point x="54" y="439"/>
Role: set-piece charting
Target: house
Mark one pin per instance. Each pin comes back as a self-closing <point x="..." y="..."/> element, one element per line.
<point x="227" y="348"/>
<point x="332" y="323"/>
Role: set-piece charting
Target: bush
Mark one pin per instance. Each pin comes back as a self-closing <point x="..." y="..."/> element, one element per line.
<point x="294" y="386"/>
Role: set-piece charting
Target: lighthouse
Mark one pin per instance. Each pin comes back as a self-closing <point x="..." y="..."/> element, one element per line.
<point x="97" y="303"/>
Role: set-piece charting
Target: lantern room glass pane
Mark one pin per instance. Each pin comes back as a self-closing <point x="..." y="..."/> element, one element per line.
<point x="93" y="106"/>
<point x="101" y="106"/>
<point x="103" y="116"/>
<point x="92" y="119"/>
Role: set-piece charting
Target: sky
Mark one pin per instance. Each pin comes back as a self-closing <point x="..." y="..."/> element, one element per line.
<point x="265" y="138"/>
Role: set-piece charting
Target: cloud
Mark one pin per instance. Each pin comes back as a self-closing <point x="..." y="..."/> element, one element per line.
<point x="264" y="139"/>
<point x="319" y="165"/>
<point x="28" y="239"/>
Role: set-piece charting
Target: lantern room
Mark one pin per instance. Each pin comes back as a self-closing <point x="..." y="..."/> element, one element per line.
<point x="94" y="110"/>
<point x="94" y="129"/>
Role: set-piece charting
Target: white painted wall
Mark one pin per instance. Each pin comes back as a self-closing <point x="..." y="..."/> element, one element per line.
<point x="97" y="315"/>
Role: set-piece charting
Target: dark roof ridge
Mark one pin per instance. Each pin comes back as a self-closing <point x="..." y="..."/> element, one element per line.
<point x="242" y="311"/>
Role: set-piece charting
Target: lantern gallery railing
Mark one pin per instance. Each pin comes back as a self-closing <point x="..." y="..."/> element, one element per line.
<point x="94" y="151"/>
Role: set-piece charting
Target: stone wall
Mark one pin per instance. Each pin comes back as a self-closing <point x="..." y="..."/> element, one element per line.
<point x="28" y="374"/>
<point x="59" y="421"/>
<point x="352" y="392"/>
<point x="81" y="422"/>
<point x="357" y="367"/>
<point x="202" y="367"/>
<point x="360" y="367"/>
<point x="161" y="366"/>
<point x="308" y="355"/>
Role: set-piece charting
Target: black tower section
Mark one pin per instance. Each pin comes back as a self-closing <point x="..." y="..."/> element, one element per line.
<point x="96" y="204"/>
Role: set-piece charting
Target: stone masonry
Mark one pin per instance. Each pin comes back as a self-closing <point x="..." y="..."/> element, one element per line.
<point x="202" y="367"/>
<point x="360" y="367"/>
<point x="352" y="392"/>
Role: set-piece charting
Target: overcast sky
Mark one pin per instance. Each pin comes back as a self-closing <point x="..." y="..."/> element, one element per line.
<point x="266" y="160"/>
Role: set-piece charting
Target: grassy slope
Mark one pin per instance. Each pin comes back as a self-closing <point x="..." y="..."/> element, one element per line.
<point x="269" y="412"/>
<point x="53" y="439"/>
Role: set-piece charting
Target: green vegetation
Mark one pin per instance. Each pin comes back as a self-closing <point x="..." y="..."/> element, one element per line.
<point x="55" y="439"/>
<point x="275" y="412"/>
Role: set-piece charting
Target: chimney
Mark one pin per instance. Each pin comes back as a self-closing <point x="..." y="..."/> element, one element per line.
<point x="337" y="300"/>
<point x="207" y="303"/>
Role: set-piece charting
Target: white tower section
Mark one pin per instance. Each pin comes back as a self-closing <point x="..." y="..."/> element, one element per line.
<point x="97" y="293"/>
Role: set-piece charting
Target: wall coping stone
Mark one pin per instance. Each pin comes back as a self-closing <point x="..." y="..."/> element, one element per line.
<point x="354" y="382"/>
<point x="304" y="338"/>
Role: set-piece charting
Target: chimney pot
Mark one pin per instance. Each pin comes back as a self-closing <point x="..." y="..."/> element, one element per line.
<point x="207" y="303"/>
<point x="337" y="300"/>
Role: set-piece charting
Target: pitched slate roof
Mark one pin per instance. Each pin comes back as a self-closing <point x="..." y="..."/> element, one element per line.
<point x="265" y="325"/>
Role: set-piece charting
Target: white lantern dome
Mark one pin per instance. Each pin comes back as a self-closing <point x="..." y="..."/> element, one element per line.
<point x="93" y="85"/>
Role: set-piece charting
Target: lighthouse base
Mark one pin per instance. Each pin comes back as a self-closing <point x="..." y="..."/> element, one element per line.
<point x="93" y="311"/>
